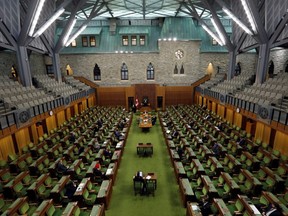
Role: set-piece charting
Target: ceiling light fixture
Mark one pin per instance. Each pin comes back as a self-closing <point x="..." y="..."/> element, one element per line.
<point x="76" y="35"/>
<point x="238" y="22"/>
<point x="66" y="37"/>
<point x="48" y="22"/>
<point x="36" y="17"/>
<point x="212" y="35"/>
<point x="249" y="15"/>
<point x="222" y="38"/>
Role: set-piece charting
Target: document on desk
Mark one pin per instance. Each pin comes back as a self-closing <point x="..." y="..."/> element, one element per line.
<point x="148" y="177"/>
<point x="80" y="187"/>
<point x="109" y="171"/>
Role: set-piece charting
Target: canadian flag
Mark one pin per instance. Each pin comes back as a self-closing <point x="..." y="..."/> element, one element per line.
<point x="136" y="102"/>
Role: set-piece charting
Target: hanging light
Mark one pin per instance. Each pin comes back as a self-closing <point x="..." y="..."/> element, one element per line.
<point x="212" y="35"/>
<point x="49" y="22"/>
<point x="36" y="17"/>
<point x="238" y="22"/>
<point x="222" y="38"/>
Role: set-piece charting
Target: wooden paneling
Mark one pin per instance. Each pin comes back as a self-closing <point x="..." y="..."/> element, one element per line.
<point x="51" y="122"/>
<point x="60" y="118"/>
<point x="237" y="119"/>
<point x="214" y="107"/>
<point x="229" y="115"/>
<point x="146" y="90"/>
<point x="6" y="147"/>
<point x="221" y="110"/>
<point x="22" y="138"/>
<point x="178" y="95"/>
<point x="280" y="142"/>
<point x="111" y="96"/>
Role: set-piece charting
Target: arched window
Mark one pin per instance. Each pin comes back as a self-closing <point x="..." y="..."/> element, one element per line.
<point x="175" y="69"/>
<point x="150" y="72"/>
<point x="97" y="72"/>
<point x="124" y="72"/>
<point x="286" y="67"/>
<point x="69" y="70"/>
<point x="182" y="69"/>
<point x="14" y="71"/>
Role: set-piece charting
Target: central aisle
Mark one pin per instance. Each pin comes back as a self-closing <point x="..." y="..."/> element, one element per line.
<point x="167" y="198"/>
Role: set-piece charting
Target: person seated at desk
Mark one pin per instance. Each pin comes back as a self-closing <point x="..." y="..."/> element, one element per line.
<point x="204" y="138"/>
<point x="72" y="137"/>
<point x="61" y="168"/>
<point x="205" y="206"/>
<point x="100" y="123"/>
<point x="179" y="151"/>
<point x="139" y="178"/>
<point x="70" y="189"/>
<point x="241" y="141"/>
<point x="207" y="117"/>
<point x="107" y="153"/>
<point x="121" y="125"/>
<point x="273" y="209"/>
<point x="175" y="134"/>
<point x="118" y="134"/>
<point x="220" y="126"/>
<point x="97" y="171"/>
<point x="216" y="149"/>
<point x="154" y="118"/>
<point x="81" y="149"/>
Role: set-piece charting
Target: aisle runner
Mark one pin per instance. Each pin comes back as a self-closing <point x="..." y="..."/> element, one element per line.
<point x="167" y="198"/>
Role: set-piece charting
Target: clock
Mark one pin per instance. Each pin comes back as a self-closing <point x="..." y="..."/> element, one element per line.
<point x="179" y="54"/>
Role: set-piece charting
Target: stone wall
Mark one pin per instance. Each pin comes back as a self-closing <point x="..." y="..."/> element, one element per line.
<point x="280" y="59"/>
<point x="7" y="59"/>
<point x="163" y="61"/>
<point x="248" y="62"/>
<point x="37" y="64"/>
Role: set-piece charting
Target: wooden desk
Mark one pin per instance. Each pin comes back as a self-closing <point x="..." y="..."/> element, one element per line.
<point x="218" y="166"/>
<point x="179" y="170"/>
<point x="246" y="156"/>
<point x="90" y="172"/>
<point x="249" y="208"/>
<point x="193" y="209"/>
<point x="190" y="154"/>
<point x="8" y="190"/>
<point x="144" y="149"/>
<point x="235" y="189"/>
<point x="98" y="210"/>
<point x="145" y="121"/>
<point x="111" y="171"/>
<point x="186" y="191"/>
<point x="221" y="206"/>
<point x="116" y="156"/>
<point x="208" y="184"/>
<point x="104" y="193"/>
<point x="199" y="167"/>
<point x="43" y="208"/>
<point x="32" y="190"/>
<point x="58" y="188"/>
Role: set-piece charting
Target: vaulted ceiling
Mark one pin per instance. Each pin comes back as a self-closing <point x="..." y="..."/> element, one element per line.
<point x="140" y="9"/>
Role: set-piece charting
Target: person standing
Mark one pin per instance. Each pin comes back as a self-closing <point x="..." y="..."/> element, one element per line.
<point x="238" y="69"/>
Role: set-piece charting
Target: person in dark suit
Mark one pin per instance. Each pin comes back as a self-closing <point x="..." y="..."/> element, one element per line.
<point x="70" y="189"/>
<point x="272" y="210"/>
<point x="175" y="134"/>
<point x="205" y="206"/>
<point x="216" y="149"/>
<point x="61" y="168"/>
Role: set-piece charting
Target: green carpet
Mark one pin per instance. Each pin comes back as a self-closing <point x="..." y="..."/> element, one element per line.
<point x="167" y="200"/>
